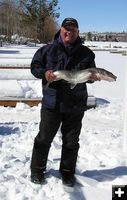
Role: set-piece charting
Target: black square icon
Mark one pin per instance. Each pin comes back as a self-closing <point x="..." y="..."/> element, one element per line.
<point x="119" y="192"/>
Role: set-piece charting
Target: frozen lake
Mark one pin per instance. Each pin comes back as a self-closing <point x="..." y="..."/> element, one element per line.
<point x="101" y="162"/>
<point x="22" y="55"/>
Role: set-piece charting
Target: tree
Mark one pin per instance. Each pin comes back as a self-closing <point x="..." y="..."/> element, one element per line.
<point x="35" y="16"/>
<point x="49" y="30"/>
<point x="35" y="19"/>
<point x="89" y="36"/>
<point x="8" y="18"/>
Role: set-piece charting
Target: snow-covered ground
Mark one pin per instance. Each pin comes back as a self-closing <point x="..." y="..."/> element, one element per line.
<point x="101" y="161"/>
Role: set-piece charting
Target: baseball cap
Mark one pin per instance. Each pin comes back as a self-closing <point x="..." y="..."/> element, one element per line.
<point x="69" y="21"/>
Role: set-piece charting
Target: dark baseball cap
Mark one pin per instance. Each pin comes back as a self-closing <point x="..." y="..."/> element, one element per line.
<point x="69" y="21"/>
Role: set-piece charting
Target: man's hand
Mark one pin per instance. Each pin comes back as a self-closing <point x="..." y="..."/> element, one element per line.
<point x="50" y="77"/>
<point x="95" y="77"/>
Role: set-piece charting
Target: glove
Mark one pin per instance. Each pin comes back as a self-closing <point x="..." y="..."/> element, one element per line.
<point x="50" y="77"/>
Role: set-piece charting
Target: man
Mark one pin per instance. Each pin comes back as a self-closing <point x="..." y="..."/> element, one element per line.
<point x="61" y="105"/>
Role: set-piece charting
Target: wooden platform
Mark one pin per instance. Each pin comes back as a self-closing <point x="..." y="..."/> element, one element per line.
<point x="12" y="101"/>
<point x="14" y="67"/>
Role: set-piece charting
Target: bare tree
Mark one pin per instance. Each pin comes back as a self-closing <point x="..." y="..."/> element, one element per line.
<point x="34" y="19"/>
<point x="8" y="18"/>
<point x="49" y="29"/>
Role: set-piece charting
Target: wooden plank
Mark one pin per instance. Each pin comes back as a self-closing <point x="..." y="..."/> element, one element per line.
<point x="13" y="101"/>
<point x="9" y="101"/>
<point x="14" y="67"/>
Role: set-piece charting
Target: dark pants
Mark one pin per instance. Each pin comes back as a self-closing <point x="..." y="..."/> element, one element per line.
<point x="70" y="128"/>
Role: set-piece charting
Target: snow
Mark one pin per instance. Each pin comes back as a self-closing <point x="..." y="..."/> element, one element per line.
<point x="101" y="161"/>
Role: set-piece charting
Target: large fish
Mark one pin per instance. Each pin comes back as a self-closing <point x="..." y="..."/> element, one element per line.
<point x="81" y="76"/>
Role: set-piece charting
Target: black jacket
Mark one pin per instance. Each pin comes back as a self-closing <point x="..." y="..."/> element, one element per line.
<point x="56" y="56"/>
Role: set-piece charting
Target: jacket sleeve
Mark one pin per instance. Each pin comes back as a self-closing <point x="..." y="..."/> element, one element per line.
<point x="38" y="64"/>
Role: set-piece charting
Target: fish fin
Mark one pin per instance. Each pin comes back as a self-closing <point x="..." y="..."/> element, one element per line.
<point x="72" y="85"/>
<point x="47" y="85"/>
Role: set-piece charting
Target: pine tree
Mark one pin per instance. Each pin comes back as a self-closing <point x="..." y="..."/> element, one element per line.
<point x="35" y="14"/>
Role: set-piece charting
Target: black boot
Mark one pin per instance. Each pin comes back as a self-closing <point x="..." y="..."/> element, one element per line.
<point x="37" y="177"/>
<point x="68" y="178"/>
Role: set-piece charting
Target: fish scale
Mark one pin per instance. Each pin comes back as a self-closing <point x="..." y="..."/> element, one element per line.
<point x="82" y="76"/>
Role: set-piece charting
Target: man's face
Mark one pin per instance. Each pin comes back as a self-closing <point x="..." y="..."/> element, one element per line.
<point x="69" y="34"/>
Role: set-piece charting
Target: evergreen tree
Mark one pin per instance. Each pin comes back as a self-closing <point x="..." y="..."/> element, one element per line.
<point x="35" y="14"/>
